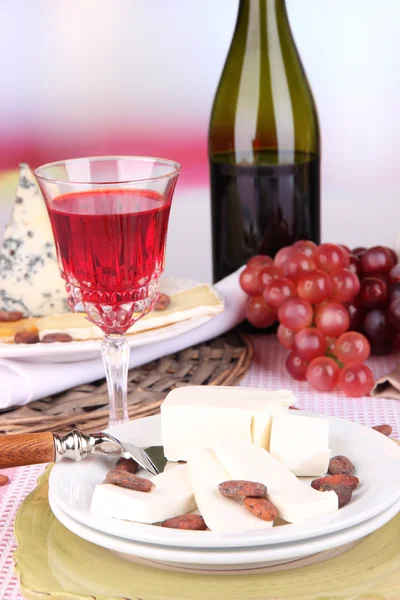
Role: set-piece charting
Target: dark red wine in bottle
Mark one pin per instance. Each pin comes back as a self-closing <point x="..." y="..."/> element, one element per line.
<point x="264" y="148"/>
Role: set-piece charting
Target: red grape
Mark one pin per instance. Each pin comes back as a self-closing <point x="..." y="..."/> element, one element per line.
<point x="352" y="347"/>
<point x="315" y="286"/>
<point x="333" y="319"/>
<point x="265" y="275"/>
<point x="296" y="314"/>
<point x="396" y="343"/>
<point x="356" y="380"/>
<point x="359" y="251"/>
<point x="355" y="265"/>
<point x="357" y="315"/>
<point x="345" y="248"/>
<point x="306" y="246"/>
<point x="394" y="273"/>
<point x="381" y="348"/>
<point x="278" y="290"/>
<point x="373" y="292"/>
<point x="282" y="255"/>
<point x="392" y="254"/>
<point x="346" y="285"/>
<point x="249" y="282"/>
<point x="394" y="313"/>
<point x="296" y="264"/>
<point x="377" y="259"/>
<point x="309" y="343"/>
<point x="258" y="313"/>
<point x="376" y="326"/>
<point x="285" y="337"/>
<point x="394" y="291"/>
<point x="323" y="373"/>
<point x="258" y="261"/>
<point x="330" y="257"/>
<point x="296" y="366"/>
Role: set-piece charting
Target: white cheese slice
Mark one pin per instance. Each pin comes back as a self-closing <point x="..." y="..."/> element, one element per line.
<point x="294" y="500"/>
<point x="221" y="514"/>
<point x="196" y="416"/>
<point x="171" y="497"/>
<point x="301" y="444"/>
<point x="30" y="280"/>
<point x="198" y="301"/>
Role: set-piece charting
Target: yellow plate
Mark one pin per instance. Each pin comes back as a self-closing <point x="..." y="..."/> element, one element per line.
<point x="53" y="563"/>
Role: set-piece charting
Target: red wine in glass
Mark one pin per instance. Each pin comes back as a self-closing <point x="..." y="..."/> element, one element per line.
<point x="111" y="245"/>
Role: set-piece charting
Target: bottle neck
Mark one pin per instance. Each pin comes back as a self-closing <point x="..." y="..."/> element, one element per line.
<point x="254" y="14"/>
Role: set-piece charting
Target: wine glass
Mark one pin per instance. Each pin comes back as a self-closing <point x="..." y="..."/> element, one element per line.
<point x="109" y="217"/>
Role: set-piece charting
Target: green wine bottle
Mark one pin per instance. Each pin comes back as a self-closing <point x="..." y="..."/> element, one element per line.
<point x="264" y="147"/>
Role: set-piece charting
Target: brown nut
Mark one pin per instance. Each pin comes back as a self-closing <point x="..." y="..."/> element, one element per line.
<point x="261" y="508"/>
<point x="126" y="464"/>
<point x="293" y="408"/>
<point x="340" y="479"/>
<point x="8" y="316"/>
<point x="129" y="481"/>
<point x="343" y="492"/>
<point x="26" y="337"/>
<point x="163" y="302"/>
<point x="385" y="429"/>
<point x="189" y="521"/>
<point x="3" y="479"/>
<point x="49" y="338"/>
<point x="238" y="489"/>
<point x="341" y="464"/>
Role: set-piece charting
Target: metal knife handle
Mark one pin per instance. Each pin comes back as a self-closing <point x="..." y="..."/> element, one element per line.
<point x="36" y="448"/>
<point x="26" y="449"/>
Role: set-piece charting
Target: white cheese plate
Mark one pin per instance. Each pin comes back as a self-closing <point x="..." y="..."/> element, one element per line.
<point x="376" y="458"/>
<point x="230" y="559"/>
<point x="89" y="349"/>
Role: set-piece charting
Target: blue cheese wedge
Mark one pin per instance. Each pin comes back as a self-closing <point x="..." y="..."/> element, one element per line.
<point x="29" y="276"/>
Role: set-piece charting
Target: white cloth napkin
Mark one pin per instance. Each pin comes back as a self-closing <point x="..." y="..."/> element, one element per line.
<point x="22" y="382"/>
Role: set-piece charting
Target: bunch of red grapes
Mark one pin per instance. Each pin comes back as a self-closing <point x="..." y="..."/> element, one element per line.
<point x="333" y="306"/>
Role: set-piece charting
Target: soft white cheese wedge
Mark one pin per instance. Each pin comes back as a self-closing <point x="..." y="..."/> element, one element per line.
<point x="171" y="497"/>
<point x="301" y="444"/>
<point x="222" y="515"/>
<point x="202" y="416"/>
<point x="295" y="501"/>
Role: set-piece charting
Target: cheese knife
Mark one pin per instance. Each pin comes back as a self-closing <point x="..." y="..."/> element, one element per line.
<point x="17" y="450"/>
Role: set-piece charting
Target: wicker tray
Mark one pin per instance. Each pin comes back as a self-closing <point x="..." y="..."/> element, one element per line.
<point x="221" y="361"/>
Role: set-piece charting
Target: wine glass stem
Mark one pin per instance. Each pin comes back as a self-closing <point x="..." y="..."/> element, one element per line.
<point x="115" y="353"/>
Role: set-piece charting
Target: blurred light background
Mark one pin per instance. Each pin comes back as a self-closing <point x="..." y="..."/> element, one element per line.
<point x="94" y="77"/>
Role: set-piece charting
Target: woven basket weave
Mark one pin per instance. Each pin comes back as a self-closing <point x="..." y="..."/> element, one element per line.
<point x="221" y="361"/>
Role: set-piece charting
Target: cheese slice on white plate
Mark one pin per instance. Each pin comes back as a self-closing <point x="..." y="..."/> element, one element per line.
<point x="29" y="276"/>
<point x="295" y="501"/>
<point x="198" y="301"/>
<point x="222" y="515"/>
<point x="202" y="416"/>
<point x="172" y="496"/>
<point x="301" y="444"/>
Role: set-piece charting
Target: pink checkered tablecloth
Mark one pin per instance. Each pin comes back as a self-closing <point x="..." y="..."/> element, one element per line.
<point x="267" y="371"/>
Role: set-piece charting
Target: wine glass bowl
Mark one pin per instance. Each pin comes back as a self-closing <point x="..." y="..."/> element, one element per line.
<point x="109" y="217"/>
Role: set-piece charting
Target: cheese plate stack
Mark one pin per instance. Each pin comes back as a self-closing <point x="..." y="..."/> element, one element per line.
<point x="222" y="434"/>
